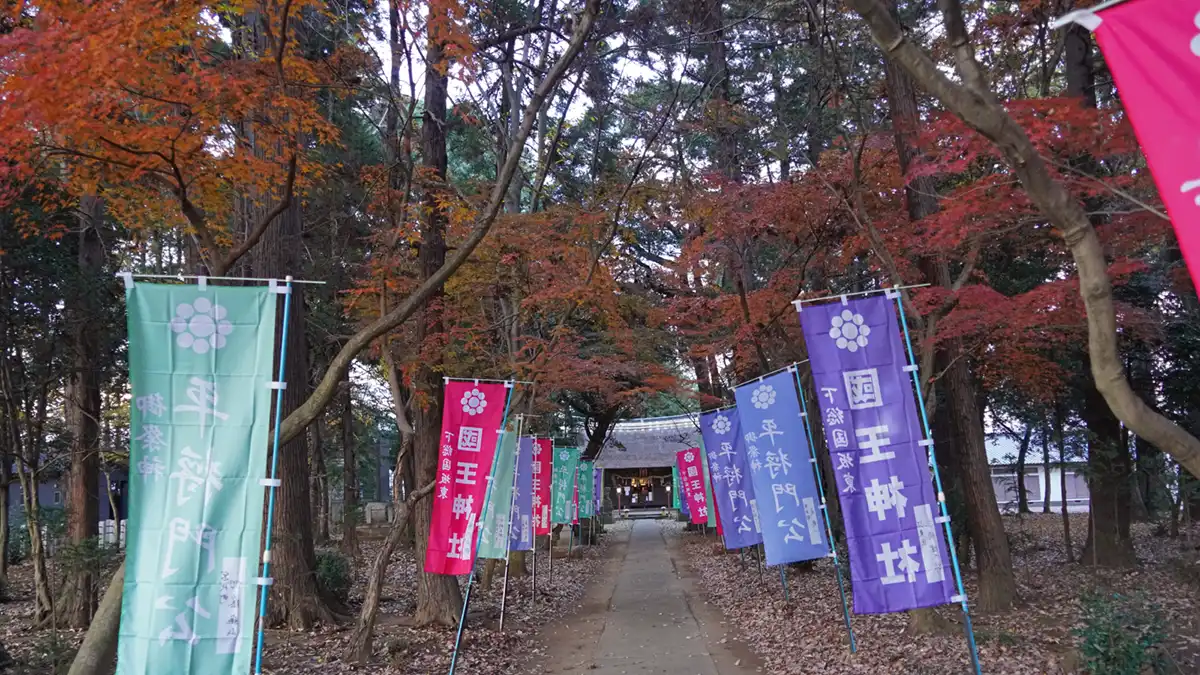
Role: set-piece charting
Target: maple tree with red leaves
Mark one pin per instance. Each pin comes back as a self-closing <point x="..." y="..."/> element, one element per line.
<point x="615" y="205"/>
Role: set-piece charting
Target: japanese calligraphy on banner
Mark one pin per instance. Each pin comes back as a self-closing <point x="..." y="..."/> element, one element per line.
<point x="493" y="541"/>
<point x="543" y="453"/>
<point x="736" y="507"/>
<point x="691" y="472"/>
<point x="586" y="482"/>
<point x="1152" y="47"/>
<point x="200" y="365"/>
<point x="471" y="417"/>
<point x="898" y="556"/>
<point x="789" y="504"/>
<point x="566" y="460"/>
<point x="521" y="522"/>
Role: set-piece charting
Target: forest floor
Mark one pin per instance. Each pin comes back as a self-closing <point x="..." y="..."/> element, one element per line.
<point x="399" y="649"/>
<point x="807" y="634"/>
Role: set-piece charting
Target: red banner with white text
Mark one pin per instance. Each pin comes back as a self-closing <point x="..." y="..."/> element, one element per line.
<point x="1152" y="48"/>
<point x="471" y="417"/>
<point x="543" y="452"/>
<point x="691" y="474"/>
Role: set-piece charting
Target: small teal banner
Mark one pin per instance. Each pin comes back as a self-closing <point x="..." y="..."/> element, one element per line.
<point x="587" y="489"/>
<point x="493" y="542"/>
<point x="562" y="490"/>
<point x="200" y="366"/>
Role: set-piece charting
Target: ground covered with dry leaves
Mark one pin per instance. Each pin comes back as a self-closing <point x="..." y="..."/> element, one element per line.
<point x="807" y="634"/>
<point x="399" y="648"/>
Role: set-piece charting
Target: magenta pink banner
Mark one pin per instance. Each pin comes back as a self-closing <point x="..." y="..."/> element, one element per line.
<point x="1152" y="48"/>
<point x="543" y="451"/>
<point x="471" y="418"/>
<point x="691" y="474"/>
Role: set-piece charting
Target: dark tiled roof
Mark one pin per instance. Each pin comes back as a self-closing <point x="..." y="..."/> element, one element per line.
<point x="648" y="442"/>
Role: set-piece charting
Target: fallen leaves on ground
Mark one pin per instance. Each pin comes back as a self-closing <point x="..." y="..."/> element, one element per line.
<point x="807" y="633"/>
<point x="399" y="649"/>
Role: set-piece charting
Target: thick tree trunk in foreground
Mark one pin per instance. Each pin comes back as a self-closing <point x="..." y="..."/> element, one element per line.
<point x="1110" y="483"/>
<point x="362" y="641"/>
<point x="438" y="597"/>
<point x="82" y="410"/>
<point x="295" y="601"/>
<point x="975" y="104"/>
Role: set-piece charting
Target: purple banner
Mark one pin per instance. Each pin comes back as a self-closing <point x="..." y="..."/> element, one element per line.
<point x="898" y="556"/>
<point x="520" y="534"/>
<point x="730" y="475"/>
<point x="789" y="504"/>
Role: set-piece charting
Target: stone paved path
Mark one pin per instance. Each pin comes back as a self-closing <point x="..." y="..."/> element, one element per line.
<point x="649" y="625"/>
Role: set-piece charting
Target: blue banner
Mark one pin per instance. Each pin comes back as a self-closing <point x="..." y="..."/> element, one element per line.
<point x="781" y="471"/>
<point x="521" y="521"/>
<point x="729" y="471"/>
<point x="898" y="556"/>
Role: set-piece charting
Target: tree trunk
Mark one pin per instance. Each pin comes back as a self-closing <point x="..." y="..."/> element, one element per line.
<point x="350" y="545"/>
<point x="318" y="483"/>
<point x="99" y="649"/>
<point x="362" y="640"/>
<point x="438" y="598"/>
<point x="82" y="410"/>
<point x="5" y="483"/>
<point x="1046" y="469"/>
<point x="1110" y="479"/>
<point x="1061" y="439"/>
<point x="1022" y="453"/>
<point x="295" y="600"/>
<point x="997" y="586"/>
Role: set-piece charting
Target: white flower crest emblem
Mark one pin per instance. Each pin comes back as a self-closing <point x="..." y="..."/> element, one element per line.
<point x="763" y="397"/>
<point x="721" y="425"/>
<point x="564" y="455"/>
<point x="473" y="402"/>
<point x="200" y="325"/>
<point x="689" y="457"/>
<point x="849" y="331"/>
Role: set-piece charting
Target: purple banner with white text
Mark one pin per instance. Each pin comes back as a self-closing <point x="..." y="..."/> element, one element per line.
<point x="729" y="471"/>
<point x="898" y="555"/>
<point x="521" y="521"/>
<point x="789" y="504"/>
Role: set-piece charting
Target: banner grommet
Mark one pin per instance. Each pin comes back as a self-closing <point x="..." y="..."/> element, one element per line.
<point x="127" y="278"/>
<point x="270" y="482"/>
<point x="799" y="305"/>
<point x="276" y="288"/>
<point x="202" y="282"/>
<point x="264" y="581"/>
<point x="958" y="598"/>
<point x="277" y="385"/>
<point x="941" y="519"/>
<point x="910" y="369"/>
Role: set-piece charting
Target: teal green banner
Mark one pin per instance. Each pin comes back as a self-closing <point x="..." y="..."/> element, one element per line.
<point x="493" y="543"/>
<point x="200" y="368"/>
<point x="562" y="490"/>
<point x="675" y="486"/>
<point x="586" y="480"/>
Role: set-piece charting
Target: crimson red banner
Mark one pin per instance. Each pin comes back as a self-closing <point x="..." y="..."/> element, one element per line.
<point x="543" y="451"/>
<point x="1152" y="48"/>
<point x="692" y="476"/>
<point x="471" y="417"/>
